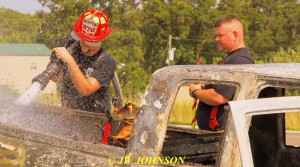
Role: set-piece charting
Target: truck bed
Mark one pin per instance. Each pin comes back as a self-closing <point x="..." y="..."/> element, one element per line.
<point x="197" y="146"/>
<point x="45" y="135"/>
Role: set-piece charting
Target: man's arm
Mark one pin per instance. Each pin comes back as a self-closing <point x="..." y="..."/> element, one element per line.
<point x="208" y="96"/>
<point x="85" y="86"/>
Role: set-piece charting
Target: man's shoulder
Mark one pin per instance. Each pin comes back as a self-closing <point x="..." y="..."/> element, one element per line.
<point x="107" y="56"/>
<point x="240" y="56"/>
<point x="104" y="58"/>
<point x="240" y="60"/>
<point x="244" y="51"/>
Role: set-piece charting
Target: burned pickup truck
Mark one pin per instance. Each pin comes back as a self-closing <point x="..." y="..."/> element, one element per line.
<point x="256" y="132"/>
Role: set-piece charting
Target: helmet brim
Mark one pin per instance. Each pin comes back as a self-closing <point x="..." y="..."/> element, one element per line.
<point x="74" y="36"/>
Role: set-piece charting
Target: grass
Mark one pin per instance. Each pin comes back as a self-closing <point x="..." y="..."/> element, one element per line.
<point x="182" y="113"/>
<point x="292" y="121"/>
<point x="49" y="98"/>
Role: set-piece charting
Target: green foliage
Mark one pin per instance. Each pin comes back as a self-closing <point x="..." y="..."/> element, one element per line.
<point x="269" y="26"/>
<point x="58" y="24"/>
<point x="284" y="56"/>
<point x="291" y="92"/>
<point x="18" y="28"/>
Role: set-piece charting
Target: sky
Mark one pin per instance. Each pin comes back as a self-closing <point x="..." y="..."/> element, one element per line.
<point x="23" y="6"/>
<point x="26" y="6"/>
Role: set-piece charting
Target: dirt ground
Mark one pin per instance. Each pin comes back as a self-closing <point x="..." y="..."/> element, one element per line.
<point x="293" y="138"/>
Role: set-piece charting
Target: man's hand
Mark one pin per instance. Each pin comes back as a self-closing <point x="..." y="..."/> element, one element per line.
<point x="63" y="54"/>
<point x="193" y="87"/>
<point x="207" y="96"/>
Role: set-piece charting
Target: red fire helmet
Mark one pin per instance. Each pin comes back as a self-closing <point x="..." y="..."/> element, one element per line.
<point x="92" y="25"/>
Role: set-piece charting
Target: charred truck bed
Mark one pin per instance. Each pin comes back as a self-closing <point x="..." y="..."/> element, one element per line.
<point x="197" y="146"/>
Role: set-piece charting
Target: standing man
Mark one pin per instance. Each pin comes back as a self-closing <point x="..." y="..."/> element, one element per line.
<point x="86" y="69"/>
<point x="212" y="109"/>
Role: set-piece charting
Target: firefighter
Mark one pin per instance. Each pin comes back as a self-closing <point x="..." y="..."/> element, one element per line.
<point x="86" y="70"/>
<point x="212" y="109"/>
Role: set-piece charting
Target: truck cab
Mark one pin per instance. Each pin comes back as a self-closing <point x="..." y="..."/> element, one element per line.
<point x="212" y="148"/>
<point x="261" y="131"/>
<point x="40" y="135"/>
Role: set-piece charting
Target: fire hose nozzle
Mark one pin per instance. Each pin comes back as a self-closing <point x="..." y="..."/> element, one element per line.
<point x="53" y="67"/>
<point x="44" y="78"/>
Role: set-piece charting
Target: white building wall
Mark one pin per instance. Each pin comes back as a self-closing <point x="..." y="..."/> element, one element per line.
<point x="18" y="71"/>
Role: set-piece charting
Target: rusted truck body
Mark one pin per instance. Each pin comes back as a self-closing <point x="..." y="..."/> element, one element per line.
<point x="42" y="135"/>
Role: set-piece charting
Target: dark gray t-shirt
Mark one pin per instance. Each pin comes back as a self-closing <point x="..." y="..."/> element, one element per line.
<point x="103" y="72"/>
<point x="239" y="56"/>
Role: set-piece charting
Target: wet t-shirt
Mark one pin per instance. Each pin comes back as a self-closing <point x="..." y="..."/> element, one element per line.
<point x="99" y="101"/>
<point x="239" y="56"/>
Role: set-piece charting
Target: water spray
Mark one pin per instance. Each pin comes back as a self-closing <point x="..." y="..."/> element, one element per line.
<point x="53" y="68"/>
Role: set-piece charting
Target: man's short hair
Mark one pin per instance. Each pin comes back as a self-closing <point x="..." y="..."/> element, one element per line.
<point x="226" y="19"/>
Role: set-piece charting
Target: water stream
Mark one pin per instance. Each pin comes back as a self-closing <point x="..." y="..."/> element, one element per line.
<point x="29" y="94"/>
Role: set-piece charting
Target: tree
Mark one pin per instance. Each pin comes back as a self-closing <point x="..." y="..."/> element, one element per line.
<point x="203" y="16"/>
<point x="269" y="28"/>
<point x="291" y="12"/>
<point x="17" y="27"/>
<point x="58" y="24"/>
<point x="155" y="29"/>
<point x="126" y="45"/>
<point x="284" y="56"/>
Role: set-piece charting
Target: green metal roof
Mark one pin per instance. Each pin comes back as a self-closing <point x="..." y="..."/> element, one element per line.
<point x="24" y="49"/>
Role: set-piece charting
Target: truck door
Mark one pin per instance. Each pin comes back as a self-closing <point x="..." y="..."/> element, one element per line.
<point x="268" y="130"/>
